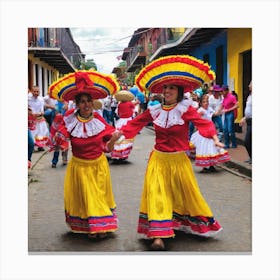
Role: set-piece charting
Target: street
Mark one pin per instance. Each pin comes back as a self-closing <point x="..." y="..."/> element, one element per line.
<point x="228" y="195"/>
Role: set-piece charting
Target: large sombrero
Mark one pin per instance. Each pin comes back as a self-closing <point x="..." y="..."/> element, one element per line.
<point x="183" y="70"/>
<point x="124" y="95"/>
<point x="97" y="84"/>
<point x="97" y="104"/>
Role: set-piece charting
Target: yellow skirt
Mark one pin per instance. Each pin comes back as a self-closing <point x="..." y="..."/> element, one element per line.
<point x="171" y="199"/>
<point x="88" y="196"/>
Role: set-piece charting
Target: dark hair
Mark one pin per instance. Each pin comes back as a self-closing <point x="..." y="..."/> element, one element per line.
<point x="79" y="96"/>
<point x="180" y="93"/>
<point x="157" y="97"/>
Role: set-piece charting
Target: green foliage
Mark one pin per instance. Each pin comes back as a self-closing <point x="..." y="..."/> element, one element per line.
<point x="88" y="65"/>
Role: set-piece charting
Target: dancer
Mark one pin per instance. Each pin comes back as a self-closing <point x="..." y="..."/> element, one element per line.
<point x="207" y="154"/>
<point x="125" y="110"/>
<point x="171" y="197"/>
<point x="89" y="202"/>
<point x="41" y="131"/>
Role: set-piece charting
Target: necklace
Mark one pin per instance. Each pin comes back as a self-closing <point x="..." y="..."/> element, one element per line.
<point x="82" y="119"/>
<point x="169" y="107"/>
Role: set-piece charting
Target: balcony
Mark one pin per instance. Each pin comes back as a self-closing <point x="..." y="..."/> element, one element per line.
<point x="136" y="58"/>
<point x="56" y="47"/>
<point x="53" y="57"/>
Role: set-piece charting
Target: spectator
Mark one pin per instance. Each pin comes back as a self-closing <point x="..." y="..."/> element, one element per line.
<point x="248" y="119"/>
<point x="107" y="109"/>
<point x="41" y="131"/>
<point x="215" y="102"/>
<point x="49" y="109"/>
<point x="229" y="104"/>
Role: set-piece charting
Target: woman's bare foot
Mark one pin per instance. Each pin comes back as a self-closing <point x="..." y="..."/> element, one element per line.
<point x="158" y="244"/>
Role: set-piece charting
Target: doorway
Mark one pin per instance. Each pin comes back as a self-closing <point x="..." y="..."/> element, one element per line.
<point x="247" y="75"/>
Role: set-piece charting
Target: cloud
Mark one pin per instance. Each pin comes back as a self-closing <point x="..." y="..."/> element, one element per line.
<point x="103" y="45"/>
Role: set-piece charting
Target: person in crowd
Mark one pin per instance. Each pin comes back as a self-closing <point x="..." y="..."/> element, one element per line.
<point x="49" y="109"/>
<point x="210" y="91"/>
<point x="107" y="109"/>
<point x="207" y="154"/>
<point x="229" y="104"/>
<point x="215" y="102"/>
<point x="205" y="89"/>
<point x="142" y="99"/>
<point x="114" y="106"/>
<point x="31" y="126"/>
<point x="195" y="103"/>
<point x="155" y="99"/>
<point x="125" y="110"/>
<point x="59" y="140"/>
<point x="138" y="101"/>
<point x="89" y="202"/>
<point x="248" y="119"/>
<point x="41" y="131"/>
<point x="172" y="199"/>
<point x="97" y="106"/>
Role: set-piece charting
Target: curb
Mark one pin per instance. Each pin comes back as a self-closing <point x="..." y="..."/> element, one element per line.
<point x="236" y="167"/>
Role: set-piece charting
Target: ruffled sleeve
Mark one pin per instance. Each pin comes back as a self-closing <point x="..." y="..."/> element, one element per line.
<point x="108" y="129"/>
<point x="205" y="127"/>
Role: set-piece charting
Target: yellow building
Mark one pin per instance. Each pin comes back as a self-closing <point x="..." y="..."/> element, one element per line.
<point x="239" y="55"/>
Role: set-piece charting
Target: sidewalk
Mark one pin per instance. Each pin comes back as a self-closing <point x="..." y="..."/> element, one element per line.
<point x="239" y="155"/>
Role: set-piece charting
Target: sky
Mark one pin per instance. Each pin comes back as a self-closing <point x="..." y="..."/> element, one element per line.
<point x="103" y="45"/>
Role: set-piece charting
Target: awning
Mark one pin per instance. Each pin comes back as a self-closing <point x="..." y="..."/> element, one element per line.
<point x="192" y="38"/>
<point x="54" y="57"/>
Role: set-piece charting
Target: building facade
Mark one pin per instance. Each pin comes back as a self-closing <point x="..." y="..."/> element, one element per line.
<point x="52" y="52"/>
<point x="227" y="50"/>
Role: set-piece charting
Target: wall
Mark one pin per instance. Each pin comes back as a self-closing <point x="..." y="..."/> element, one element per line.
<point x="210" y="48"/>
<point x="239" y="41"/>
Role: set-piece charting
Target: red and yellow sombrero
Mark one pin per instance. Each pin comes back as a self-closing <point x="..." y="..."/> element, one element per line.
<point x="98" y="85"/>
<point x="183" y="70"/>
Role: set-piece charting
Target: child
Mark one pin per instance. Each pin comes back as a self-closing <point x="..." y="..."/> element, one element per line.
<point x="207" y="154"/>
<point x="56" y="142"/>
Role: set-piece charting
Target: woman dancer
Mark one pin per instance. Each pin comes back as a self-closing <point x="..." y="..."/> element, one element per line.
<point x="171" y="197"/>
<point x="125" y="110"/>
<point x="88" y="197"/>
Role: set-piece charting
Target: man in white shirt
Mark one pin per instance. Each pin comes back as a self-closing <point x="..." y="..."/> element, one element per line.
<point x="49" y="109"/>
<point x="215" y="102"/>
<point x="248" y="119"/>
<point x="41" y="131"/>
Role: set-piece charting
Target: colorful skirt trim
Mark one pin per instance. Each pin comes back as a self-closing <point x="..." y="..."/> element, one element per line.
<point x="206" y="152"/>
<point x="171" y="199"/>
<point x="88" y="197"/>
<point x="122" y="150"/>
<point x="92" y="224"/>
<point x="199" y="225"/>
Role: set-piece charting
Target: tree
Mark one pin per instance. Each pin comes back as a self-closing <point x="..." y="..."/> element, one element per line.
<point x="89" y="64"/>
